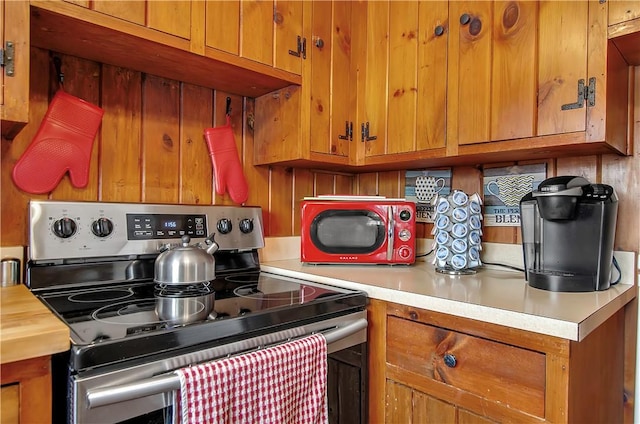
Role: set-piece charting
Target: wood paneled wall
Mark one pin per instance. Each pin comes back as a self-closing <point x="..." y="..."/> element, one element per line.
<point x="151" y="149"/>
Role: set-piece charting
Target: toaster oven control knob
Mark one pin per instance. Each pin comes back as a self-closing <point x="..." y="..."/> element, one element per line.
<point x="404" y="252"/>
<point x="102" y="227"/>
<point x="64" y="228"/>
<point x="246" y="225"/>
<point x="405" y="215"/>
<point x="404" y="235"/>
<point x="224" y="226"/>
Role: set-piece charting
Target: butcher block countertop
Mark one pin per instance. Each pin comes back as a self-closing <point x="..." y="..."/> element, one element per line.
<point x="28" y="329"/>
<point x="495" y="295"/>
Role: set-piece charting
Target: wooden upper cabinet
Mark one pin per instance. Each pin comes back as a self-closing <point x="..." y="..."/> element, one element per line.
<point x="264" y="31"/>
<point x="222" y="29"/>
<point x="533" y="76"/>
<point x="169" y="16"/>
<point x="404" y="99"/>
<point x="444" y="83"/>
<point x="172" y="17"/>
<point x="492" y="69"/>
<point x="14" y="94"/>
<point x="306" y="125"/>
<point x="624" y="28"/>
<point x="623" y="10"/>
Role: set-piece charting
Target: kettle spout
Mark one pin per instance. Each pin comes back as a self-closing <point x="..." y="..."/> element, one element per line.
<point x="212" y="246"/>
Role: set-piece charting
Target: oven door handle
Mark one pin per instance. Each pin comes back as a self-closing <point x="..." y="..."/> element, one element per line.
<point x="170" y="382"/>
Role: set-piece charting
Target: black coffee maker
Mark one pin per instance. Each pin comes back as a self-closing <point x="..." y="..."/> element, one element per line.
<point x="568" y="227"/>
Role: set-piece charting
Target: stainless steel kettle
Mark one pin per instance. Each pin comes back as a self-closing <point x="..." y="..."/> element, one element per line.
<point x="187" y="264"/>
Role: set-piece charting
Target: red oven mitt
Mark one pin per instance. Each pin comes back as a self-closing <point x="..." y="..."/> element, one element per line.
<point x="226" y="162"/>
<point x="63" y="143"/>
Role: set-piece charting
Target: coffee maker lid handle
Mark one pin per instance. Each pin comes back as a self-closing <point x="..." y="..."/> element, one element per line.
<point x="562" y="186"/>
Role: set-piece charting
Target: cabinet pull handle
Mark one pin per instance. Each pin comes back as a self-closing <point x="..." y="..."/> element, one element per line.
<point x="439" y="31"/>
<point x="304" y="48"/>
<point x="450" y="360"/>
<point x="294" y="52"/>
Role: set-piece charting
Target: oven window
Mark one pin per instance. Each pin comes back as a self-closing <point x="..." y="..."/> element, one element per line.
<point x="352" y="231"/>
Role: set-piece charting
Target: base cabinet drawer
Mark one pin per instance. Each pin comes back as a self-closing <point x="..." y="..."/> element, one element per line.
<point x="496" y="372"/>
<point x="431" y="367"/>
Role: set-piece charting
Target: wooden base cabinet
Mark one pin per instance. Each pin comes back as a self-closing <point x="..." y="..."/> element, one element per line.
<point x="25" y="396"/>
<point x="432" y="367"/>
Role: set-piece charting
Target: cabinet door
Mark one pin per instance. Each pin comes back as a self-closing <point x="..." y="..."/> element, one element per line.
<point x="264" y="31"/>
<point x="623" y="11"/>
<point x="406" y="68"/>
<point x="14" y="95"/>
<point x="169" y="16"/>
<point x="324" y="102"/>
<point x="515" y="69"/>
<point x="492" y="84"/>
<point x="10" y="403"/>
<point x="329" y="53"/>
<point x="407" y="405"/>
<point x="287" y="18"/>
<point x="222" y="20"/>
<point x="562" y="62"/>
<point x="132" y="11"/>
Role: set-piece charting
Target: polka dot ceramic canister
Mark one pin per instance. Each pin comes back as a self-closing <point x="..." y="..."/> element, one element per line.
<point x="457" y="232"/>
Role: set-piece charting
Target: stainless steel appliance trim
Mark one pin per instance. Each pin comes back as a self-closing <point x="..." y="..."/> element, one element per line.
<point x="169" y="382"/>
<point x="45" y="246"/>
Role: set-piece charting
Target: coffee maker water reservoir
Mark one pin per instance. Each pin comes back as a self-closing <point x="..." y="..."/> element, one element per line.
<point x="568" y="228"/>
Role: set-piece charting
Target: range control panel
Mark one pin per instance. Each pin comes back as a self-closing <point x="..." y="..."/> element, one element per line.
<point x="66" y="230"/>
<point x="161" y="226"/>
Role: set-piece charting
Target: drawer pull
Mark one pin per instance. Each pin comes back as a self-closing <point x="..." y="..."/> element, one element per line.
<point x="450" y="360"/>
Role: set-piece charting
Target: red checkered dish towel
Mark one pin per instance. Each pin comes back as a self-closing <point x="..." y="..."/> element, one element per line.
<point x="281" y="384"/>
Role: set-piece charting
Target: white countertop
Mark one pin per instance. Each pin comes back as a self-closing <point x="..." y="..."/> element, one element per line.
<point x="492" y="295"/>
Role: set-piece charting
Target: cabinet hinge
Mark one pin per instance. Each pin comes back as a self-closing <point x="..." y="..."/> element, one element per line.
<point x="364" y="132"/>
<point x="348" y="131"/>
<point x="585" y="92"/>
<point x="7" y="57"/>
<point x="301" y="48"/>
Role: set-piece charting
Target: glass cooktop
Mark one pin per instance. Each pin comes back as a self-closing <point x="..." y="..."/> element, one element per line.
<point x="117" y="322"/>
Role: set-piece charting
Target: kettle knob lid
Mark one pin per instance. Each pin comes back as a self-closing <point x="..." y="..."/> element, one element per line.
<point x="185" y="240"/>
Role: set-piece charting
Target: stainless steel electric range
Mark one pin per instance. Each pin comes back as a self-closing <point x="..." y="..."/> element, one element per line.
<point x="92" y="264"/>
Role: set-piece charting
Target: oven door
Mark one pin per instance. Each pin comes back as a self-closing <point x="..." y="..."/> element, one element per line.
<point x="144" y="393"/>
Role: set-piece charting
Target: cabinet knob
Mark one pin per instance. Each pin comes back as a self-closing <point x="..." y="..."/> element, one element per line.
<point x="450" y="360"/>
<point x="465" y="18"/>
<point x="319" y="43"/>
<point x="439" y="31"/>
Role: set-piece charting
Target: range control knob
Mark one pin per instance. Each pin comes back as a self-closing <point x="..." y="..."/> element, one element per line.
<point x="224" y="226"/>
<point x="246" y="225"/>
<point x="64" y="227"/>
<point x="102" y="227"/>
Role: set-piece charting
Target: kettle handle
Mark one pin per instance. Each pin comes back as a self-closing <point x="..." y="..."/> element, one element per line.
<point x="212" y="246"/>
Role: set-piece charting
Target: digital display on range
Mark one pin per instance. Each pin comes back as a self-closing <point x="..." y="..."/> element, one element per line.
<point x="163" y="226"/>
